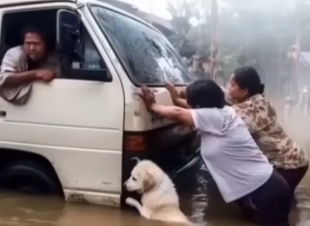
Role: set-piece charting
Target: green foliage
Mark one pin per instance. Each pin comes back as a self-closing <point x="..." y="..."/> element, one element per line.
<point x="183" y="14"/>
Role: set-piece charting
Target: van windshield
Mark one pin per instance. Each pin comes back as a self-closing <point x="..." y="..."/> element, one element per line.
<point x="146" y="54"/>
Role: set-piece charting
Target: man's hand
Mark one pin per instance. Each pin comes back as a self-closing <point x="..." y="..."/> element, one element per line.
<point x="45" y="75"/>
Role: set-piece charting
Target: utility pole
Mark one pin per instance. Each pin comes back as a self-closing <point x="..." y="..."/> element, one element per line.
<point x="213" y="45"/>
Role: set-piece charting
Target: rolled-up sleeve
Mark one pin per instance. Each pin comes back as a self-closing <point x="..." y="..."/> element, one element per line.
<point x="10" y="62"/>
<point x="13" y="61"/>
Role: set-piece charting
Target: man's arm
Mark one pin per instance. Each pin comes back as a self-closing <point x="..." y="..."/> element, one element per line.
<point x="17" y="79"/>
<point x="13" y="68"/>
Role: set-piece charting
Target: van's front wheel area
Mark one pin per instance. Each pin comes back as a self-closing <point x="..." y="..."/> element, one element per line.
<point x="29" y="177"/>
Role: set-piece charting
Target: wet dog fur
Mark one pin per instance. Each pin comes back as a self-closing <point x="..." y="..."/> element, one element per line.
<point x="159" y="200"/>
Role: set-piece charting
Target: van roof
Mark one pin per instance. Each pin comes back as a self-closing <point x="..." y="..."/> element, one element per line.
<point x="21" y="2"/>
<point x="4" y="3"/>
<point x="116" y="9"/>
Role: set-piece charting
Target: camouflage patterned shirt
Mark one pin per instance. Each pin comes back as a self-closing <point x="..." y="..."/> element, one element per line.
<point x="261" y="119"/>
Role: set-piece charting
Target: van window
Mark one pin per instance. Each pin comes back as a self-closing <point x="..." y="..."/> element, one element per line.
<point x="146" y="54"/>
<point x="14" y="22"/>
<point x="90" y="55"/>
<point x="87" y="64"/>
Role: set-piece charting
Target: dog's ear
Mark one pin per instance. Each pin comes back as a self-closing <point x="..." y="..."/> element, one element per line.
<point x="136" y="159"/>
<point x="149" y="181"/>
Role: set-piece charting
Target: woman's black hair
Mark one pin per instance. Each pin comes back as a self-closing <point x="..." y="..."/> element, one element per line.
<point x="205" y="93"/>
<point x="248" y="78"/>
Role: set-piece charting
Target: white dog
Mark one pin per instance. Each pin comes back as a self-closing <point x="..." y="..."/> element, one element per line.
<point x="159" y="197"/>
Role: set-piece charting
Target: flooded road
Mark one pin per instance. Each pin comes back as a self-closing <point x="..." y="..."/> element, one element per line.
<point x="200" y="201"/>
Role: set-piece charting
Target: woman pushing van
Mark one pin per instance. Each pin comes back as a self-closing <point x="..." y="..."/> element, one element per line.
<point x="239" y="168"/>
<point x="246" y="91"/>
<point x="288" y="158"/>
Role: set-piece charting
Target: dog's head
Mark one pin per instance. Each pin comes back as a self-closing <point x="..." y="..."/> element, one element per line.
<point x="145" y="176"/>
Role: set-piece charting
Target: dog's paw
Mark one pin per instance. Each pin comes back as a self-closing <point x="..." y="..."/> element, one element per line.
<point x="131" y="202"/>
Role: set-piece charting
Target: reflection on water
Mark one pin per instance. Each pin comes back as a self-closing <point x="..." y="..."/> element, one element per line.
<point x="201" y="202"/>
<point x="39" y="211"/>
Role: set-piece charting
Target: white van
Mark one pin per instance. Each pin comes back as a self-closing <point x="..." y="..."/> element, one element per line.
<point x="76" y="136"/>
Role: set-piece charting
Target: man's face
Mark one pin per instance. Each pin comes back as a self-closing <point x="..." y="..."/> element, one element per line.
<point x="34" y="46"/>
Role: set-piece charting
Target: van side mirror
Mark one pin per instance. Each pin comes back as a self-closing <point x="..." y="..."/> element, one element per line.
<point x="68" y="32"/>
<point x="69" y="46"/>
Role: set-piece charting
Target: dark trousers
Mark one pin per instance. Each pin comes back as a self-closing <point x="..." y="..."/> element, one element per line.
<point x="270" y="204"/>
<point x="293" y="177"/>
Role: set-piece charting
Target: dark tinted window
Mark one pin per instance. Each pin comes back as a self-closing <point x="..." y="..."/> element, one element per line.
<point x="91" y="58"/>
<point x="146" y="54"/>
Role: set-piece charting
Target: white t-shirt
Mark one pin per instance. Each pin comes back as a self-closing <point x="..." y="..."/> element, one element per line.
<point x="234" y="160"/>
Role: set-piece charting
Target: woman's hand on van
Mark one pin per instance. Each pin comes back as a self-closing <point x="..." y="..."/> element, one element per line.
<point x="45" y="75"/>
<point x="173" y="92"/>
<point x="183" y="93"/>
<point x="148" y="97"/>
<point x="178" y="97"/>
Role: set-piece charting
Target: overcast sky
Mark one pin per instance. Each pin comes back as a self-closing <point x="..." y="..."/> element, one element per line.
<point x="157" y="7"/>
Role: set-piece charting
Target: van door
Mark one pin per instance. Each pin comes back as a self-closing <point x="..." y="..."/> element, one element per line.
<point x="75" y="121"/>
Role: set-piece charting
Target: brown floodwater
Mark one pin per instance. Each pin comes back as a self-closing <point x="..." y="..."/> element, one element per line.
<point x="200" y="201"/>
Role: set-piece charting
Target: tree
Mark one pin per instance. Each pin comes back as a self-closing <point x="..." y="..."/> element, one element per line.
<point x="190" y="26"/>
<point x="263" y="31"/>
<point x="181" y="15"/>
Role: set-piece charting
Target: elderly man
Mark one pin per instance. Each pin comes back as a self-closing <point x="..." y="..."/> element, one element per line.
<point x="23" y="65"/>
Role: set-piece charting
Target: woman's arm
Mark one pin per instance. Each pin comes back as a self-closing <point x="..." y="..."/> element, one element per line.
<point x="178" y="98"/>
<point x="170" y="112"/>
<point x="174" y="113"/>
<point x="181" y="103"/>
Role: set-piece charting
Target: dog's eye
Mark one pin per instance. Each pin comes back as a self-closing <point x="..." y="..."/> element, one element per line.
<point x="134" y="179"/>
